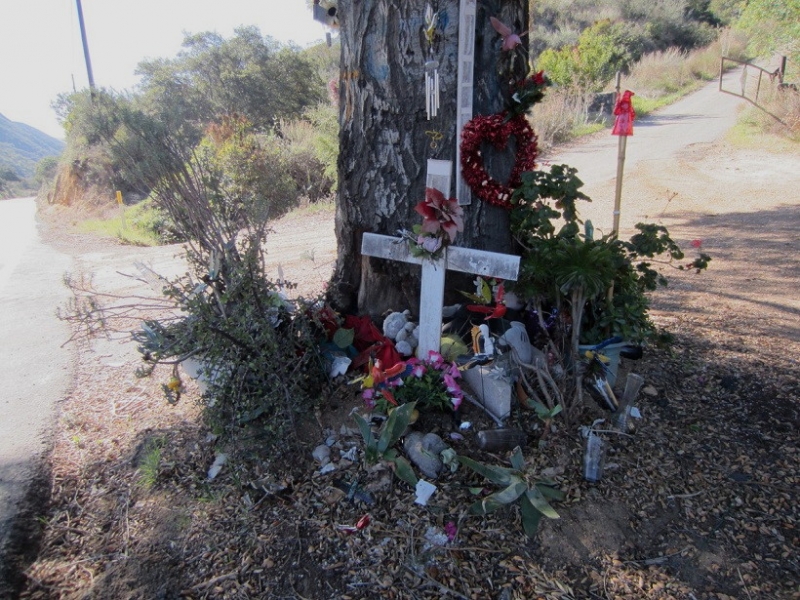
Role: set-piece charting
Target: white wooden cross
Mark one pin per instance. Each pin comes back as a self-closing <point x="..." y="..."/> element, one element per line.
<point x="454" y="258"/>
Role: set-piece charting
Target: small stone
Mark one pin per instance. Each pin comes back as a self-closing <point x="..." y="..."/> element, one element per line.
<point x="650" y="391"/>
<point x="424" y="451"/>
<point x="322" y="454"/>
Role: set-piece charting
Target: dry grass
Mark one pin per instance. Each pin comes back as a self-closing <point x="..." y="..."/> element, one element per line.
<point x="556" y="119"/>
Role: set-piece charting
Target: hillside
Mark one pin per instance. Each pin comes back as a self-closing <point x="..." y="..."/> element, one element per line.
<point x="22" y="146"/>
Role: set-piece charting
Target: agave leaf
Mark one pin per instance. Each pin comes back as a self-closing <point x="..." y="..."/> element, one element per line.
<point x="530" y="516"/>
<point x="498" y="475"/>
<point x="517" y="460"/>
<point x="366" y="430"/>
<point x="499" y="499"/>
<point x="395" y="426"/>
<point x="549" y="492"/>
<point x="540" y="503"/>
<point x="405" y="471"/>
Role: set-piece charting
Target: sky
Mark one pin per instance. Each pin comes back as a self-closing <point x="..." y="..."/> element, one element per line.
<point x="41" y="54"/>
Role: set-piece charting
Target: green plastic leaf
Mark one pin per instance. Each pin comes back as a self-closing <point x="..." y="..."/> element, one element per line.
<point x="498" y="475"/>
<point x="404" y="471"/>
<point x="517" y="460"/>
<point x="475" y="490"/>
<point x="343" y="338"/>
<point x="540" y="503"/>
<point x="530" y="516"/>
<point x="394" y="426"/>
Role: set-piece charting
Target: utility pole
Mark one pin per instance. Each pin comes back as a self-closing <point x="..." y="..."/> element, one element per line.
<point x="85" y="45"/>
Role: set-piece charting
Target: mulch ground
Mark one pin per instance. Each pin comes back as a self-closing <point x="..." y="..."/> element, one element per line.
<point x="698" y="502"/>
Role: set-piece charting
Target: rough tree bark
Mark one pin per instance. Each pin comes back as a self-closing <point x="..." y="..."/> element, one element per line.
<point x="386" y="139"/>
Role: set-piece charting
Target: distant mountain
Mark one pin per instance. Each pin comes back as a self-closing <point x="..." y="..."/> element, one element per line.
<point x="22" y="146"/>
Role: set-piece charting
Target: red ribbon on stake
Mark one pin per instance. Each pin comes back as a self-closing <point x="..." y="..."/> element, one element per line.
<point x="624" y="114"/>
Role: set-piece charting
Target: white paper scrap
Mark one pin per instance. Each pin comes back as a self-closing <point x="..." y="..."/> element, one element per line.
<point x="216" y="466"/>
<point x="424" y="492"/>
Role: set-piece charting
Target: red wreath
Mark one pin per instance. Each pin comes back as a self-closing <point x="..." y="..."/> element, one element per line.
<point x="496" y="129"/>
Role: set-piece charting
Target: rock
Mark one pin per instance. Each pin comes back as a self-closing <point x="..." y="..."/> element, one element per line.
<point x="424" y="451"/>
<point x="322" y="454"/>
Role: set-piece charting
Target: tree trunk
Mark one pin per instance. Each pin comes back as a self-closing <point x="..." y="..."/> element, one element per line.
<point x="386" y="138"/>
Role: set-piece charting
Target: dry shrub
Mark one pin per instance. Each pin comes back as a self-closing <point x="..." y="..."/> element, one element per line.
<point x="669" y="71"/>
<point x="780" y="114"/>
<point x="558" y="116"/>
<point x="660" y="73"/>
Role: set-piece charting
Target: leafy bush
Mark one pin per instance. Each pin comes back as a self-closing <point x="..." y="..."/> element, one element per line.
<point x="258" y="352"/>
<point x="601" y="51"/>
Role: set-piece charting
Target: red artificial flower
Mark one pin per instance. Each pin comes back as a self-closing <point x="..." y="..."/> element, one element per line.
<point x="697" y="243"/>
<point x="439" y="213"/>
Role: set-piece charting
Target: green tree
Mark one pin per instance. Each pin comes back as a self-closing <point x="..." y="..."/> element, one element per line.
<point x="248" y="75"/>
<point x="773" y="26"/>
<point x="602" y="49"/>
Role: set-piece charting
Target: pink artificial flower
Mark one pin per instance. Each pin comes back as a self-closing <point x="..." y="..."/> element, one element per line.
<point x="451" y="384"/>
<point x="456" y="402"/>
<point x="436" y="359"/>
<point x="429" y="243"/>
<point x="368" y="396"/>
<point x="451" y="530"/>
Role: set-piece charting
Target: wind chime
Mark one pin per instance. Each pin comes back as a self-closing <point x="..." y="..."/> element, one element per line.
<point x="431" y="64"/>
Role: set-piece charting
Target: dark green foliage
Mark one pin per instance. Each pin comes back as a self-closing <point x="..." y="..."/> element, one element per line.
<point x="113" y="138"/>
<point x="565" y="268"/>
<point x="382" y="447"/>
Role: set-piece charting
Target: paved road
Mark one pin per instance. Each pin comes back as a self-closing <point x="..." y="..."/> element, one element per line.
<point x="704" y="116"/>
<point x="35" y="371"/>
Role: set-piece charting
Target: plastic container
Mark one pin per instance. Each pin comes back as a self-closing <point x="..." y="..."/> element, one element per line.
<point x="594" y="458"/>
<point x="498" y="440"/>
<point x="633" y="383"/>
